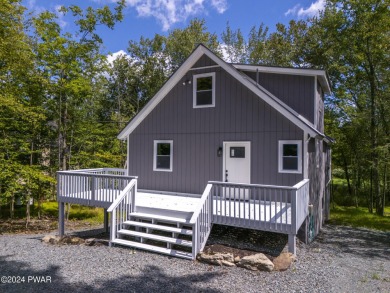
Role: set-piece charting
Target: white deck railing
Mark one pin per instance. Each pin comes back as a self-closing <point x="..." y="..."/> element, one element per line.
<point x="300" y="204"/>
<point x="201" y="221"/>
<point x="263" y="207"/>
<point x="93" y="187"/>
<point x="121" y="208"/>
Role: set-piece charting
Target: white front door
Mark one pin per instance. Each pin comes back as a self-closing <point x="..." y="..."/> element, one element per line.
<point x="237" y="165"/>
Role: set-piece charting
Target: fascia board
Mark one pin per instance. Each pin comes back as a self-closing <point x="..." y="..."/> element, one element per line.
<point x="321" y="74"/>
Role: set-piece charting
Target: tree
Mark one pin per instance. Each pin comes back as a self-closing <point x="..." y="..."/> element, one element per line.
<point x="70" y="64"/>
<point x="234" y="45"/>
<point x="21" y="115"/>
<point x="351" y="39"/>
<point x="154" y="60"/>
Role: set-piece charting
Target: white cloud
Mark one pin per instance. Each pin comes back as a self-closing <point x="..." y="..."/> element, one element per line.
<point x="169" y="12"/>
<point x="32" y="5"/>
<point x="310" y="11"/>
<point x="113" y="56"/>
<point x="293" y="10"/>
<point x="219" y="5"/>
<point x="60" y="16"/>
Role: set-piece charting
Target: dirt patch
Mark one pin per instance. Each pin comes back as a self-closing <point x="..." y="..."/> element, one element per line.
<point x="44" y="225"/>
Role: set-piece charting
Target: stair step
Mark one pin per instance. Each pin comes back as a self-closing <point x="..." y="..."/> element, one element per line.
<point x="159" y="227"/>
<point x="161" y="218"/>
<point x="156" y="237"/>
<point x="168" y="251"/>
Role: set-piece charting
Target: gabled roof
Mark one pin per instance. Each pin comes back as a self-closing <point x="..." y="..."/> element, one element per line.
<point x="261" y="92"/>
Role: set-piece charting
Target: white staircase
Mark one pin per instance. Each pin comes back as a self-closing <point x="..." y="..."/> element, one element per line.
<point x="167" y="224"/>
<point x="154" y="230"/>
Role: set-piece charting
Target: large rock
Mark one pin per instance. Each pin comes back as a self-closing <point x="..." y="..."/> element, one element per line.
<point x="71" y="240"/>
<point x="283" y="261"/>
<point x="63" y="240"/>
<point x="219" y="259"/>
<point x="52" y="239"/>
<point x="256" y="262"/>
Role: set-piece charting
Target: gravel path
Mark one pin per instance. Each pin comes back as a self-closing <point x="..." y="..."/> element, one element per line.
<point x="342" y="259"/>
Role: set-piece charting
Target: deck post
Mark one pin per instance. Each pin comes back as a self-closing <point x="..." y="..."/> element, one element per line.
<point x="61" y="218"/>
<point x="292" y="243"/>
<point x="105" y="221"/>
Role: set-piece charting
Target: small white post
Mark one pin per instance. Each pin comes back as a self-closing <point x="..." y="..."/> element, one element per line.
<point x="93" y="187"/>
<point x="194" y="240"/>
<point x="113" y="226"/>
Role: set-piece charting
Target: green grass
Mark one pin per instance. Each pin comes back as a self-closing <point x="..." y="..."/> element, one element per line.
<point x="359" y="217"/>
<point x="50" y="209"/>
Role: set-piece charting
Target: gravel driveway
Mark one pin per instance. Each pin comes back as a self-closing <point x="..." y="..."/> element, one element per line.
<point x="342" y="259"/>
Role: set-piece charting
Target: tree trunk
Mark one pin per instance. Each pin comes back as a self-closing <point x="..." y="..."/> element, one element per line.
<point x="12" y="207"/>
<point x="346" y="172"/>
<point x="28" y="210"/>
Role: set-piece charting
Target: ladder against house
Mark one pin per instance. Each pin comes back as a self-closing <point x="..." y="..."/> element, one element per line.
<point x="180" y="232"/>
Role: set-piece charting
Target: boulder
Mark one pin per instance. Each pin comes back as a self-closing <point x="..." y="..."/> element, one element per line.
<point x="90" y="241"/>
<point x="256" y="262"/>
<point x="219" y="259"/>
<point x="52" y="239"/>
<point x="283" y="261"/>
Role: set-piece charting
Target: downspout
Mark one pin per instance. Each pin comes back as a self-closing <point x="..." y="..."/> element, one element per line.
<point x="127" y="167"/>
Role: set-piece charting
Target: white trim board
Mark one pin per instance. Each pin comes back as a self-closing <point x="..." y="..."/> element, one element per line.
<point x="320" y="74"/>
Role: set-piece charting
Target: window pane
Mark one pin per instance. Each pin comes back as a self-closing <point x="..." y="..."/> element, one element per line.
<point x="290" y="163"/>
<point x="204" y="98"/>
<point x="290" y="150"/>
<point x="204" y="83"/>
<point x="163" y="149"/>
<point x="237" y="152"/>
<point x="163" y="162"/>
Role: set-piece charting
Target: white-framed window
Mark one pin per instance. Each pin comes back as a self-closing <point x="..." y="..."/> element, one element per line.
<point x="204" y="90"/>
<point x="290" y="156"/>
<point x="162" y="155"/>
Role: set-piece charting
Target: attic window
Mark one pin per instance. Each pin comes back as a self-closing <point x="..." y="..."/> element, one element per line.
<point x="204" y="90"/>
<point x="163" y="150"/>
<point x="290" y="156"/>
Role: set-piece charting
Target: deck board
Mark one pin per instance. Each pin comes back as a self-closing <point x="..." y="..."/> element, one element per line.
<point x="264" y="211"/>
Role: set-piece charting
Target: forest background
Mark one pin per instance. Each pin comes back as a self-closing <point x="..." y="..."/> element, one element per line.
<point x="62" y="103"/>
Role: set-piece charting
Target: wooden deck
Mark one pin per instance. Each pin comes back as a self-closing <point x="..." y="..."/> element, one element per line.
<point x="223" y="210"/>
<point x="280" y="209"/>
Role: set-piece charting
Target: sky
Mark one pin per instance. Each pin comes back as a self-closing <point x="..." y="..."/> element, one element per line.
<point x="149" y="17"/>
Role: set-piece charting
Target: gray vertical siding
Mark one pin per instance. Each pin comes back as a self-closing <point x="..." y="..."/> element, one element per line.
<point x="239" y="115"/>
<point x="296" y="91"/>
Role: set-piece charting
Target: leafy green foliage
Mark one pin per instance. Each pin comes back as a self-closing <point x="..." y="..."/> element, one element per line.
<point x="48" y="118"/>
<point x="359" y="217"/>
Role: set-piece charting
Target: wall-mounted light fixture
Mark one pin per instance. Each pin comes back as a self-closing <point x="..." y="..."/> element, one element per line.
<point x="219" y="152"/>
<point x="187" y="81"/>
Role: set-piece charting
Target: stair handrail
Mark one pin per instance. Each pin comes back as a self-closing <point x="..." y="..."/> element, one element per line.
<point x="122" y="195"/>
<point x="201" y="203"/>
<point x="201" y="221"/>
<point x="126" y="202"/>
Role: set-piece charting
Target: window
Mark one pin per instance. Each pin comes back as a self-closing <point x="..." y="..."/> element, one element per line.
<point x="290" y="156"/>
<point x="204" y="90"/>
<point x="163" y="150"/>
